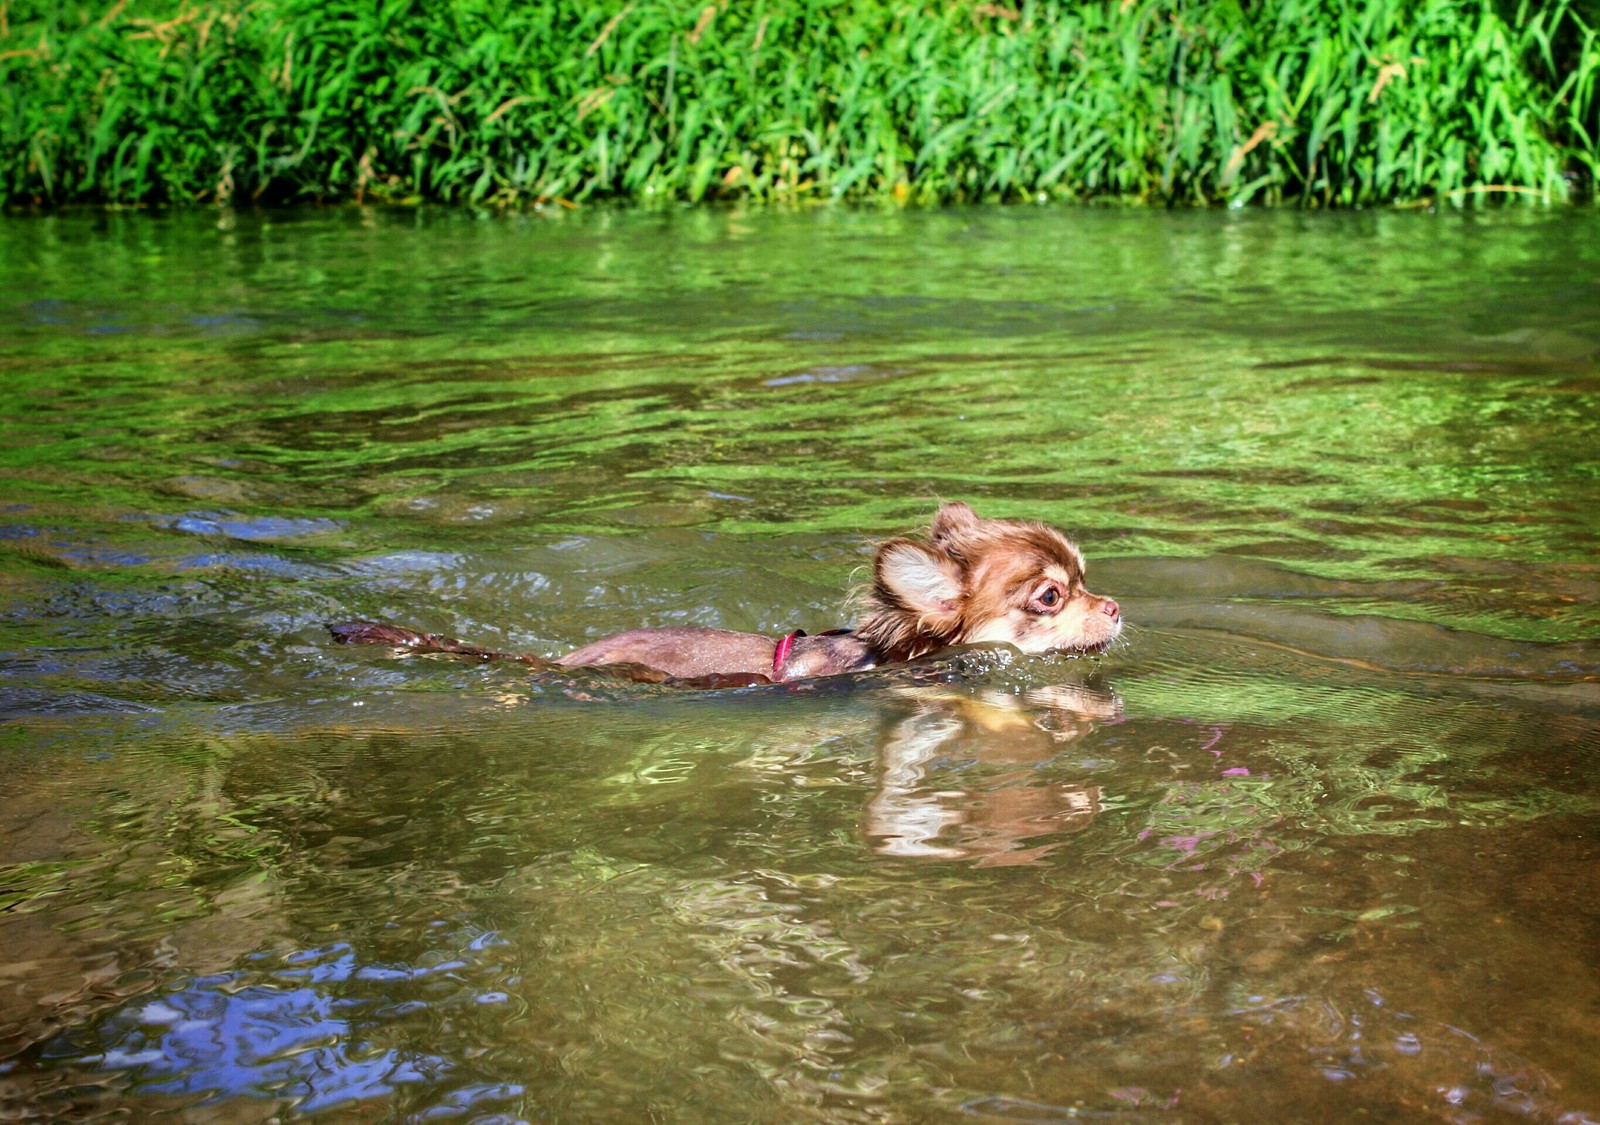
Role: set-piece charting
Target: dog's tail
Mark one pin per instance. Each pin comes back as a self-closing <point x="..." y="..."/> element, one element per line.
<point x="370" y="633"/>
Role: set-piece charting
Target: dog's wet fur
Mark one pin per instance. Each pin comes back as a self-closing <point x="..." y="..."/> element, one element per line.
<point x="969" y="581"/>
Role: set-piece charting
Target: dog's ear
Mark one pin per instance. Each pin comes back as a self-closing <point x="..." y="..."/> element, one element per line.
<point x="953" y="519"/>
<point x="920" y="578"/>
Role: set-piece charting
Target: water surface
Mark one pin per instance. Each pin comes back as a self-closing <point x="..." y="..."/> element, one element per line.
<point x="1318" y="840"/>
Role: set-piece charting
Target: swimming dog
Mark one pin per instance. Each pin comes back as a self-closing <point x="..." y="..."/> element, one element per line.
<point x="968" y="581"/>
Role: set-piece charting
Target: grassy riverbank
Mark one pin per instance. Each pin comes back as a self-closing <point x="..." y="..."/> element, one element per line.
<point x="1322" y="102"/>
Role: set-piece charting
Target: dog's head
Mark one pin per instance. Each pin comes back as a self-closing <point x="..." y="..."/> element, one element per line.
<point x="975" y="580"/>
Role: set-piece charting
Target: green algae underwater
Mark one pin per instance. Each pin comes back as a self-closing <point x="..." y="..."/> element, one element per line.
<point x="1318" y="839"/>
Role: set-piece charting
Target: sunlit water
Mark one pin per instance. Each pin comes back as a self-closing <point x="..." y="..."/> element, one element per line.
<point x="1318" y="840"/>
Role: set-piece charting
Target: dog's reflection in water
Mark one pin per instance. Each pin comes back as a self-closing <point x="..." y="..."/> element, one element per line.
<point x="959" y="777"/>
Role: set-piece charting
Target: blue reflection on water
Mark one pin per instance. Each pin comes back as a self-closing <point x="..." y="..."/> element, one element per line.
<point x="287" y="1034"/>
<point x="212" y="1038"/>
<point x="235" y="526"/>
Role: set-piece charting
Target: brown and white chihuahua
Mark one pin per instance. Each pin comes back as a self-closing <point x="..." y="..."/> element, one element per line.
<point x="970" y="581"/>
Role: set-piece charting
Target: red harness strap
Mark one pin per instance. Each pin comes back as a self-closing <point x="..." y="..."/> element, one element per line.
<point x="781" y="653"/>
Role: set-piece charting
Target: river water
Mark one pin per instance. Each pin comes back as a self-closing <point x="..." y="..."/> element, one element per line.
<point x="1319" y="839"/>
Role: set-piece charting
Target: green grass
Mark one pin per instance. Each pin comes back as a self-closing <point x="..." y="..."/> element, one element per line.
<point x="1319" y="102"/>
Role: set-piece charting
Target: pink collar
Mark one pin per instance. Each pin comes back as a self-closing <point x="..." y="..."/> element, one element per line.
<point x="781" y="653"/>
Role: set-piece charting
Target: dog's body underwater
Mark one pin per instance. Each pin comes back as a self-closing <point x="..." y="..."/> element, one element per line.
<point x="970" y="581"/>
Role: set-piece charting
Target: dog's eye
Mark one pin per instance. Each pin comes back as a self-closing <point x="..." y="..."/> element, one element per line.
<point x="1046" y="598"/>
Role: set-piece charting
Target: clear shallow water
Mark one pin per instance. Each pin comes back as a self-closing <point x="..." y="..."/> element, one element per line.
<point x="1319" y="839"/>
